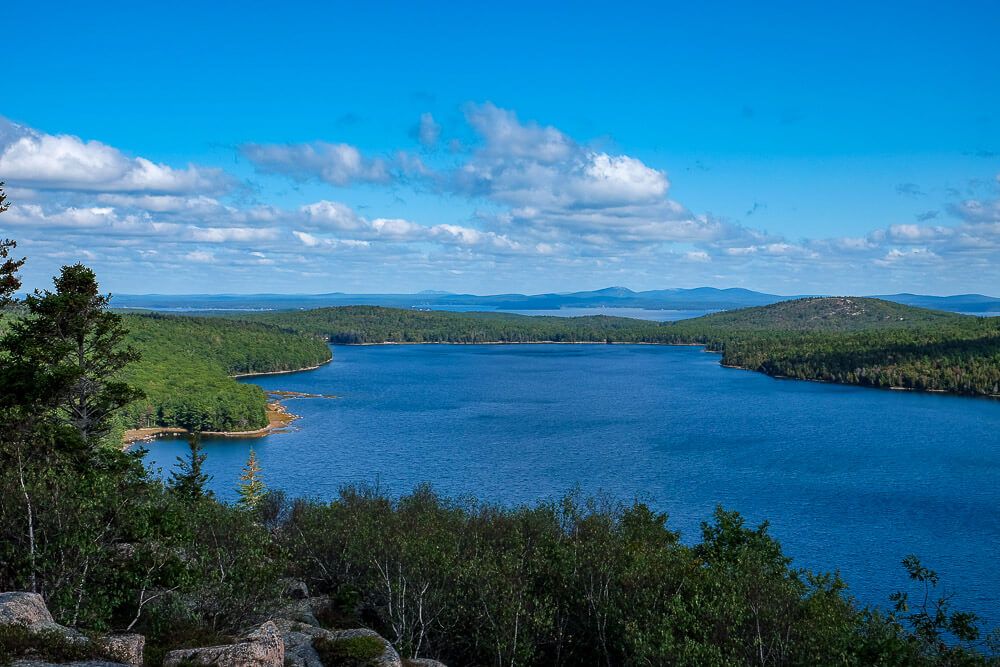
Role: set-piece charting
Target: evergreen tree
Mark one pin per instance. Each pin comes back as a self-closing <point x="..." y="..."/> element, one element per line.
<point x="252" y="487"/>
<point x="9" y="282"/>
<point x="188" y="481"/>
<point x="69" y="352"/>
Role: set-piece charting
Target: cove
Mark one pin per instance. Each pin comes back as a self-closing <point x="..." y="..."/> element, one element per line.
<point x="849" y="478"/>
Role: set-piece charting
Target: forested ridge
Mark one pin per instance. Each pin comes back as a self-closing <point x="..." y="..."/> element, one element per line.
<point x="185" y="367"/>
<point x="186" y="363"/>
<point x="850" y="340"/>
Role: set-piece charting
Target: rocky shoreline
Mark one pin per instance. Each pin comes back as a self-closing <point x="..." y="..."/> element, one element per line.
<point x="278" y="418"/>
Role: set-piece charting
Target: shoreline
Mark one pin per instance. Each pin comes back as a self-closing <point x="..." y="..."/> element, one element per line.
<point x="520" y="342"/>
<point x="943" y="392"/>
<point x="278" y="418"/>
<point x="294" y="370"/>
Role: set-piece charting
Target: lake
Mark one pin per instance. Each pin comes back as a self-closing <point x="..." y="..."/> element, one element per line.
<point x="848" y="477"/>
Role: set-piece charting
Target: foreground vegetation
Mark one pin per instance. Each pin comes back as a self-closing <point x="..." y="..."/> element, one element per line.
<point x="849" y="340"/>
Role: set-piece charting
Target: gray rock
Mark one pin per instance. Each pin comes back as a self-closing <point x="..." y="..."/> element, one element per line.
<point x="27" y="609"/>
<point x="298" y="638"/>
<point x="125" y="648"/>
<point x="423" y="662"/>
<point x="301" y="611"/>
<point x="296" y="590"/>
<point x="262" y="648"/>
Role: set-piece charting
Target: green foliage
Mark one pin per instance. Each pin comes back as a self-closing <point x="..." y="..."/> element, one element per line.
<point x="65" y="356"/>
<point x="584" y="582"/>
<point x="187" y="363"/>
<point x="187" y="480"/>
<point x="9" y="281"/>
<point x="349" y="652"/>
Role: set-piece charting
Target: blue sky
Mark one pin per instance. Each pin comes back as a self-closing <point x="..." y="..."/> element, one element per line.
<point x="405" y="146"/>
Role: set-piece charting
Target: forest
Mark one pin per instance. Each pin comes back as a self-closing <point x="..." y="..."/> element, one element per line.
<point x="186" y="365"/>
<point x="860" y="341"/>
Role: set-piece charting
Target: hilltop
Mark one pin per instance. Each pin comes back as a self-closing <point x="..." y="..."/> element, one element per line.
<point x="826" y="314"/>
<point x="693" y="299"/>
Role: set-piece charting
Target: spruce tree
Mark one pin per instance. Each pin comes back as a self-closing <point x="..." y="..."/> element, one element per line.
<point x="70" y="351"/>
<point x="251" y="488"/>
<point x="9" y="282"/>
<point x="189" y="481"/>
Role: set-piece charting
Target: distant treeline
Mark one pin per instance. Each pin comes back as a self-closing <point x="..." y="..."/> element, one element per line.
<point x="849" y="340"/>
<point x="186" y="364"/>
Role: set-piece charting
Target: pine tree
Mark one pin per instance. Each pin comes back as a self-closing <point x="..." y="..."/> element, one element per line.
<point x="251" y="488"/>
<point x="188" y="481"/>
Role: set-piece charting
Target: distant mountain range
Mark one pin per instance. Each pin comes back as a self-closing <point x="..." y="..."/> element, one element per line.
<point x="696" y="299"/>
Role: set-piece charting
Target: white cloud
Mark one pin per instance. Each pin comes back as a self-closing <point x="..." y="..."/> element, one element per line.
<point x="336" y="164"/>
<point x="200" y="256"/>
<point x="975" y="211"/>
<point x="29" y="158"/>
<point x="505" y="136"/>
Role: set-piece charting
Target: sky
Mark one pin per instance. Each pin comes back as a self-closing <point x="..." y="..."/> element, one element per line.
<point x="788" y="147"/>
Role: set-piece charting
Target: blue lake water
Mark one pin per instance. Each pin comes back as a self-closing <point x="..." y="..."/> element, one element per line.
<point x="848" y="477"/>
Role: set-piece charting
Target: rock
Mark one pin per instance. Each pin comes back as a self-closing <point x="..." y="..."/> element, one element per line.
<point x="299" y="651"/>
<point x="81" y="663"/>
<point x="423" y="662"/>
<point x="125" y="648"/>
<point x="27" y="609"/>
<point x="262" y="648"/>
<point x="296" y="590"/>
<point x="301" y="611"/>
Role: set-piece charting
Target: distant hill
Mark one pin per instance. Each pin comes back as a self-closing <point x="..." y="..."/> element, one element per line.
<point x="698" y="298"/>
<point x="825" y="314"/>
<point x="959" y="303"/>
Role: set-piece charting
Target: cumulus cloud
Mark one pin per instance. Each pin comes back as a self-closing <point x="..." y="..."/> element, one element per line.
<point x="333" y="224"/>
<point x="975" y="211"/>
<point x="545" y="203"/>
<point x="336" y="164"/>
<point x="33" y="159"/>
<point x="527" y="165"/>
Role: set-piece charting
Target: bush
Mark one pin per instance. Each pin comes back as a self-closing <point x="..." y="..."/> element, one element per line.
<point x="349" y="652"/>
